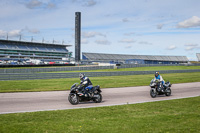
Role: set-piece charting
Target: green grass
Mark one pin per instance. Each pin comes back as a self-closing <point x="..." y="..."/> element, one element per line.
<point x="153" y="68"/>
<point x="104" y="82"/>
<point x="173" y="116"/>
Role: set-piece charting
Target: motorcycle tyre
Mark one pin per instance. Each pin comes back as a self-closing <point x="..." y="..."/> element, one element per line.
<point x="152" y="94"/>
<point x="100" y="99"/>
<point x="168" y="93"/>
<point x="70" y="99"/>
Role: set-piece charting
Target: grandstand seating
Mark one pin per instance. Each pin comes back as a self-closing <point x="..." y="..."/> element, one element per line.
<point x="29" y="49"/>
<point x="121" y="57"/>
<point x="32" y="48"/>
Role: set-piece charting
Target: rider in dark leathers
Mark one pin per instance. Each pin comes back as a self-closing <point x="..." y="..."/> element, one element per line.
<point x="86" y="83"/>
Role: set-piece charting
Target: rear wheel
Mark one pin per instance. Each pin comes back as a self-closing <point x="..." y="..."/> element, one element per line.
<point x="98" y="98"/>
<point x="168" y="92"/>
<point x="73" y="99"/>
<point x="153" y="93"/>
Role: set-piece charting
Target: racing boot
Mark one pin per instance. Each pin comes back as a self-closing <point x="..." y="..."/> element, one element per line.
<point x="85" y="93"/>
<point x="162" y="89"/>
<point x="91" y="93"/>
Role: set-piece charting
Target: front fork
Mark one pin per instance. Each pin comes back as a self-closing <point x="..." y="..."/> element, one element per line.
<point x="154" y="90"/>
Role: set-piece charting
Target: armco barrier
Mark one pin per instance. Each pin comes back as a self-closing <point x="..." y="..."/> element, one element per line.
<point x="56" y="69"/>
<point x="150" y="65"/>
<point x="30" y="76"/>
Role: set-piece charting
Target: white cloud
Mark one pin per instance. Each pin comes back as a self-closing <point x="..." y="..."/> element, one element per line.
<point x="172" y="47"/>
<point x="145" y="43"/>
<point x="90" y="3"/>
<point x="192" y="22"/>
<point x="160" y="26"/>
<point x="51" y="5"/>
<point x="125" y="20"/>
<point x="103" y="42"/>
<point x="34" y="30"/>
<point x="191" y="44"/>
<point x="127" y="41"/>
<point x="84" y="41"/>
<point x="33" y="4"/>
<point x="3" y="33"/>
<point x="17" y="33"/>
<point x="92" y="34"/>
<point x="129" y="34"/>
<point x="87" y="3"/>
<point x="128" y="46"/>
<point x="14" y="33"/>
<point x="190" y="47"/>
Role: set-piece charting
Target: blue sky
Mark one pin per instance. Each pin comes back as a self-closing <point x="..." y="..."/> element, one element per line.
<point x="145" y="27"/>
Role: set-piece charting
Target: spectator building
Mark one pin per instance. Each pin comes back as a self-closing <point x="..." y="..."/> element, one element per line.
<point x="133" y="59"/>
<point x="21" y="50"/>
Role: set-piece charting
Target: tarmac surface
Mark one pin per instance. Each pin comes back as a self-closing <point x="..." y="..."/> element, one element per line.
<point x="58" y="100"/>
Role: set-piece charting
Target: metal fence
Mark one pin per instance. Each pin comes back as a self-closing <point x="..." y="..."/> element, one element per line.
<point x="150" y="65"/>
<point x="29" y="76"/>
<point x="56" y="69"/>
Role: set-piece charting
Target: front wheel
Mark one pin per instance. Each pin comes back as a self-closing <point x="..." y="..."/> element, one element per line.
<point x="168" y="92"/>
<point x="153" y="93"/>
<point x="73" y="99"/>
<point x="97" y="98"/>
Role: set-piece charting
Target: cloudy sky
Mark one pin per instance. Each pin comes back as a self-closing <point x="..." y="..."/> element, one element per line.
<point x="145" y="27"/>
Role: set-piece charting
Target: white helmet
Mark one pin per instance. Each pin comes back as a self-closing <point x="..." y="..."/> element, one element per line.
<point x="81" y="75"/>
<point x="156" y="74"/>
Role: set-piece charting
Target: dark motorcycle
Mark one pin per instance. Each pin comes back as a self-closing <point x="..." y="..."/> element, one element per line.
<point x="78" y="94"/>
<point x="158" y="89"/>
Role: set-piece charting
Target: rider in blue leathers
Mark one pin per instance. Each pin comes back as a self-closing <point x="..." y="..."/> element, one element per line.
<point x="86" y="83"/>
<point x="159" y="77"/>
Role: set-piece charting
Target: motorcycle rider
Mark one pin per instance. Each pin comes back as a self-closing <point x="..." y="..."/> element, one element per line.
<point x="159" y="77"/>
<point x="86" y="83"/>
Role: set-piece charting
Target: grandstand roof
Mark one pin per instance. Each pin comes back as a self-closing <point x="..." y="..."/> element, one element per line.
<point x="122" y="57"/>
<point x="198" y="56"/>
<point x="32" y="46"/>
<point x="36" y="43"/>
<point x="14" y="49"/>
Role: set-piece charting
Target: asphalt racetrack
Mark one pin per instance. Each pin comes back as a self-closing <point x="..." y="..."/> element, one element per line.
<point x="58" y="100"/>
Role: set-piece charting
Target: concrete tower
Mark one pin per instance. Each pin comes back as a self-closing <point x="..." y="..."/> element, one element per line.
<point x="77" y="36"/>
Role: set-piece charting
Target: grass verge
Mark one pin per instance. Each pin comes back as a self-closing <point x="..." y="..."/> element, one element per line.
<point x="153" y="68"/>
<point x="104" y="82"/>
<point x="181" y="116"/>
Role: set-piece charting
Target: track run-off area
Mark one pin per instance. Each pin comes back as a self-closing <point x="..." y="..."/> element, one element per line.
<point x="58" y="100"/>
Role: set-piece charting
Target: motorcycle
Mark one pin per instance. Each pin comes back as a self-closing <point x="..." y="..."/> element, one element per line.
<point x="78" y="94"/>
<point x="158" y="89"/>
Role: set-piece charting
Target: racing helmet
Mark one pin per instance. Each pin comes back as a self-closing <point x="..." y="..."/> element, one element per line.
<point x="81" y="75"/>
<point x="156" y="74"/>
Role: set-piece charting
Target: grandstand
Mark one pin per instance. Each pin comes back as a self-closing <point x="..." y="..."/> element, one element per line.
<point x="198" y="56"/>
<point x="15" y="50"/>
<point x="134" y="59"/>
